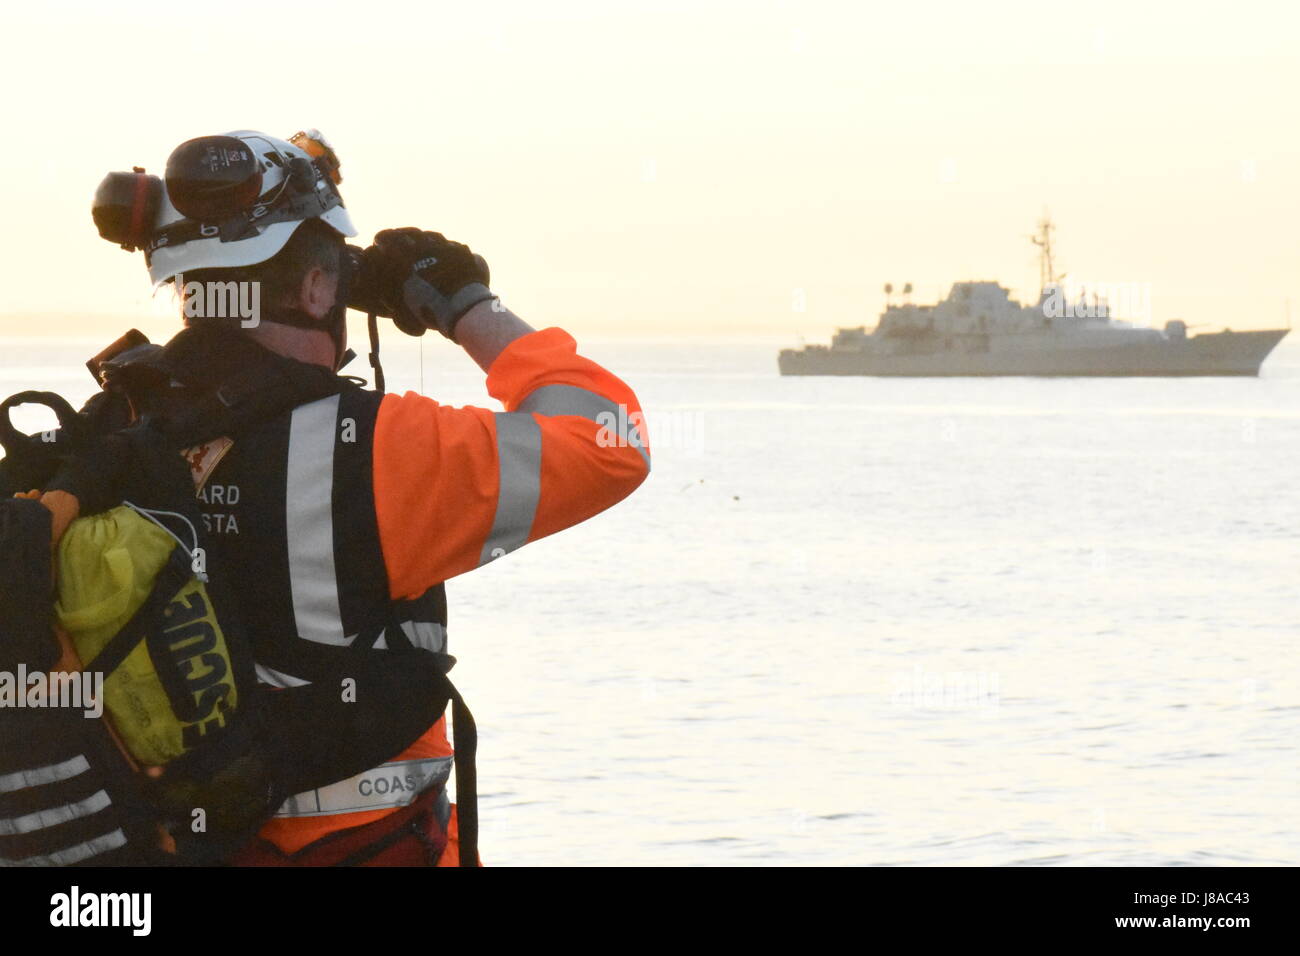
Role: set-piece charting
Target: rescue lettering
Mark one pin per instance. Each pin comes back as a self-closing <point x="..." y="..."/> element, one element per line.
<point x="199" y="664"/>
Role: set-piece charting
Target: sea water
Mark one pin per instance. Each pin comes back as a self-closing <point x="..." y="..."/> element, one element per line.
<point x="889" y="621"/>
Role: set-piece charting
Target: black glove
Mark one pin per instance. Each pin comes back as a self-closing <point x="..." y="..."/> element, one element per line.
<point x="420" y="280"/>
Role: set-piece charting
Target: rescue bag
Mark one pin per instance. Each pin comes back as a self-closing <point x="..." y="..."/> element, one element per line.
<point x="134" y="609"/>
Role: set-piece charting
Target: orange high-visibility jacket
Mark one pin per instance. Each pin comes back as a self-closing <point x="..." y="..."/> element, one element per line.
<point x="457" y="487"/>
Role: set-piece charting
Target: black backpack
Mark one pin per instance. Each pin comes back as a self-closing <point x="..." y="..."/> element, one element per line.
<point x="69" y="791"/>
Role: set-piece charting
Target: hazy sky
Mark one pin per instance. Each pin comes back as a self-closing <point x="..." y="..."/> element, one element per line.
<point x="677" y="166"/>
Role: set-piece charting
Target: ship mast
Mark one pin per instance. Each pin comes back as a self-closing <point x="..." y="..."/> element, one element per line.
<point x="1047" y="276"/>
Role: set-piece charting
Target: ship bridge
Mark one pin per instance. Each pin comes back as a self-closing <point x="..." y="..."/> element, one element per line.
<point x="971" y="307"/>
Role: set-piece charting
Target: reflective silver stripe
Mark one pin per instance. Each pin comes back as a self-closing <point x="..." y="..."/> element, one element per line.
<point x="425" y="634"/>
<point x="269" y="675"/>
<point x="309" y="522"/>
<point x="73" y="854"/>
<point x="519" y="457"/>
<point x="567" y="400"/>
<point x="53" y="816"/>
<point x="571" y="400"/>
<point x="393" y="784"/>
<point x="38" y="776"/>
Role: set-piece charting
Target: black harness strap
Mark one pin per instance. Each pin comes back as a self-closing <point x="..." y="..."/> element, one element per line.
<point x="372" y="324"/>
<point x="173" y="576"/>
<point x="465" y="743"/>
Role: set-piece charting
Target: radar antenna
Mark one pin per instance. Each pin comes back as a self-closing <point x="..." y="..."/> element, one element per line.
<point x="1047" y="276"/>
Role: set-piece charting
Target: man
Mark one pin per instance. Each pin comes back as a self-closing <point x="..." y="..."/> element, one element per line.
<point x="339" y="520"/>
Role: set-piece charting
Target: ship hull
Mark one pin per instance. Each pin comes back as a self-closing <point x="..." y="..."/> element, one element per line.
<point x="1222" y="353"/>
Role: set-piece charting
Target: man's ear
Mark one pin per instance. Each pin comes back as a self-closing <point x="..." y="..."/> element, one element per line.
<point x="317" y="293"/>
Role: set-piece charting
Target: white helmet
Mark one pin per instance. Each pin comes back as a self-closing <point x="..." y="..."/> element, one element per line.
<point x="252" y="192"/>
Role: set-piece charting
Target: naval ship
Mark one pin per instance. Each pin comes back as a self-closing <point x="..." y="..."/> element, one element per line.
<point x="979" y="329"/>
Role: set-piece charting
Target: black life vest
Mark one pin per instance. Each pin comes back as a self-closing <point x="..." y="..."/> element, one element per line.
<point x="288" y="508"/>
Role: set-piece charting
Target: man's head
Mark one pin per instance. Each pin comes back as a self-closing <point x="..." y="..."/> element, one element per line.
<point x="251" y="213"/>
<point x="296" y="292"/>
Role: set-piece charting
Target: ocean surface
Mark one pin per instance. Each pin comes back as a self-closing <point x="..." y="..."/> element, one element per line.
<point x="873" y="621"/>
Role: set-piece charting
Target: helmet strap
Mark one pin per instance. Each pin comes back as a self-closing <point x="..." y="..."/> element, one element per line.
<point x="337" y="319"/>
